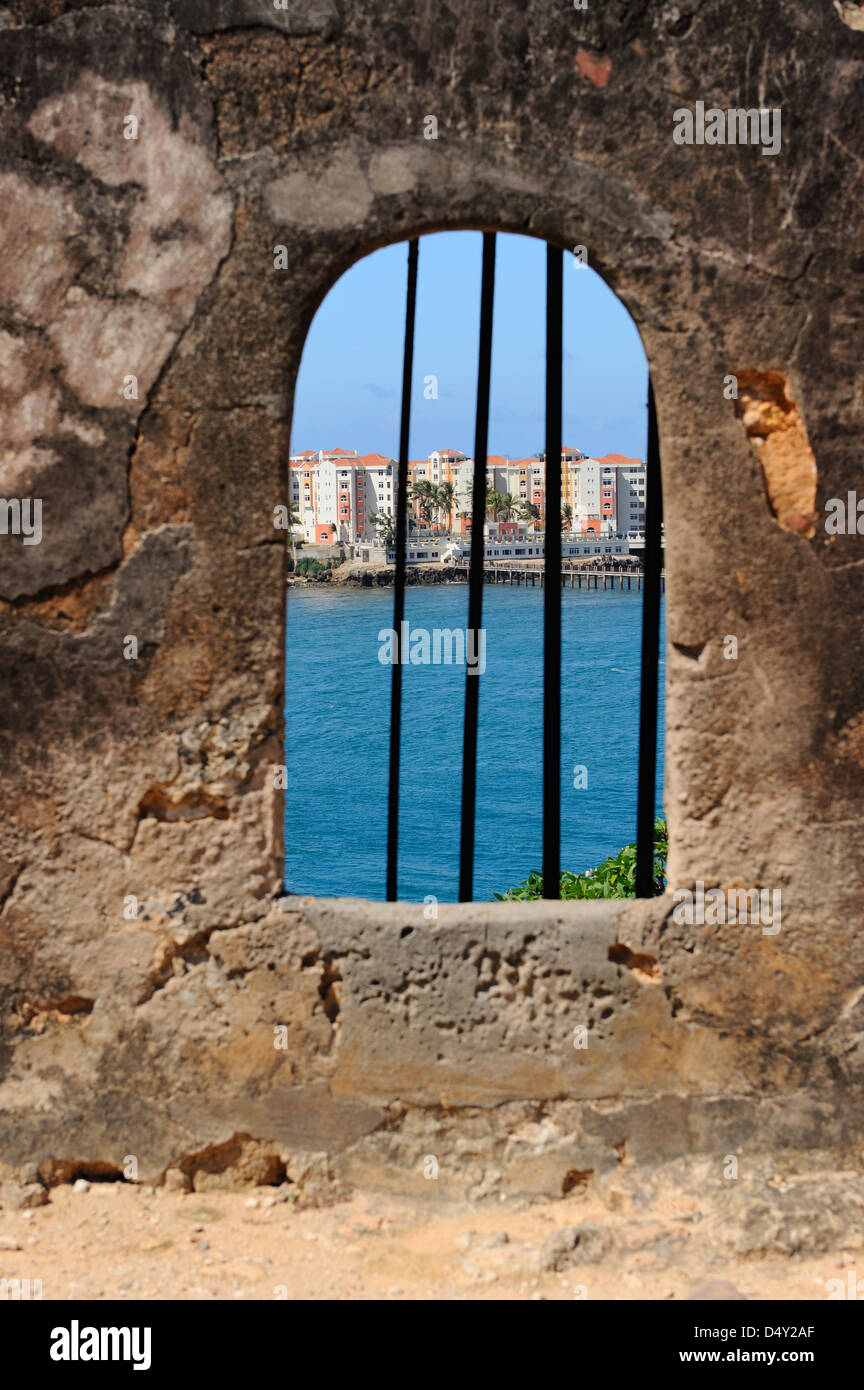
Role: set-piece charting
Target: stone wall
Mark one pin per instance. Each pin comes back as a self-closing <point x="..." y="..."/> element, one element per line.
<point x="148" y="349"/>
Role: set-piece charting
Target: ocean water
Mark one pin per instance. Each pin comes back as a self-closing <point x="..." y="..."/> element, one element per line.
<point x="337" y="714"/>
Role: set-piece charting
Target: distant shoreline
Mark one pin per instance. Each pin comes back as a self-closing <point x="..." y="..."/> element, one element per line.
<point x="370" y="576"/>
<point x="381" y="576"/>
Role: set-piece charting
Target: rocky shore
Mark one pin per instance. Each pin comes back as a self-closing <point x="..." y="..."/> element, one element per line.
<point x="371" y="576"/>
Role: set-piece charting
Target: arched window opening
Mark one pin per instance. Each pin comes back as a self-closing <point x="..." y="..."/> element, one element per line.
<point x="473" y="699"/>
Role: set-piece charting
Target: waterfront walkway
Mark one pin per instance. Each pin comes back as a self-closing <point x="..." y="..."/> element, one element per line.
<point x="572" y="576"/>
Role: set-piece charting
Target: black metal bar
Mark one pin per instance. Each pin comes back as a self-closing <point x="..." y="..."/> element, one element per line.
<point x="650" y="661"/>
<point x="552" y="587"/>
<point x="399" y="582"/>
<point x="475" y="573"/>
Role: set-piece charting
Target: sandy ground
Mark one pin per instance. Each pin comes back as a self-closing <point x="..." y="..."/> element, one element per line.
<point x="121" y="1241"/>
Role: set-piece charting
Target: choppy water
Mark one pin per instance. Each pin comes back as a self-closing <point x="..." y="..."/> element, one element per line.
<point x="337" y="720"/>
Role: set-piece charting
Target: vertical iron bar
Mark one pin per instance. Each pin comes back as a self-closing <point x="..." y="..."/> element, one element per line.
<point x="399" y="582"/>
<point x="475" y="573"/>
<point x="650" y="662"/>
<point x="552" y="588"/>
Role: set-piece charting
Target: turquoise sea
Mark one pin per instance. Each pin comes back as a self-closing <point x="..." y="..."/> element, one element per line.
<point x="337" y="737"/>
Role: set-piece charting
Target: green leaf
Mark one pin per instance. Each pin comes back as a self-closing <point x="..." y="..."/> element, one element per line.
<point x="614" y="878"/>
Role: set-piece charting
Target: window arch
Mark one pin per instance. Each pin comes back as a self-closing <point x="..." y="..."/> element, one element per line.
<point x="364" y="495"/>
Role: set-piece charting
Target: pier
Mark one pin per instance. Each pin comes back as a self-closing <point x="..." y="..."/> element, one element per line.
<point x="572" y="576"/>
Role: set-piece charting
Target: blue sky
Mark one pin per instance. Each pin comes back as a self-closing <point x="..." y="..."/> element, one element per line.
<point x="348" y="390"/>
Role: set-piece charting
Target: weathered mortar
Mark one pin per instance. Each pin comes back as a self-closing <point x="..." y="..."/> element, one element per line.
<point x="151" y="778"/>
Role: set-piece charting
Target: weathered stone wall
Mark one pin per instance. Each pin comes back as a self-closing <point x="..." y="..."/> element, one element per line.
<point x="153" y="258"/>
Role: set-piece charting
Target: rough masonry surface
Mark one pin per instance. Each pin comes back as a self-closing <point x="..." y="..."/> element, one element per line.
<point x="148" y="350"/>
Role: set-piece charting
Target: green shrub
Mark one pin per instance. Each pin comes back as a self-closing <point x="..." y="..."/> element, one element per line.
<point x="614" y="878"/>
<point x="307" y="565"/>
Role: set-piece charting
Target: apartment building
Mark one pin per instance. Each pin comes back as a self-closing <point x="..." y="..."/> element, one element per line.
<point x="305" y="484"/>
<point x="607" y="495"/>
<point x="380" y="488"/>
<point x="441" y="466"/>
<point x="338" y="493"/>
<point x="523" y="479"/>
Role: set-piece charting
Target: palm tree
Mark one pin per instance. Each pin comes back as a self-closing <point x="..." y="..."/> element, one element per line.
<point x="493" y="503"/>
<point x="385" y="527"/>
<point x="530" y="512"/>
<point x="566" y="517"/>
<point x="444" y="496"/>
<point x="509" y="507"/>
<point x="294" y="519"/>
<point x="424" y="494"/>
<point x="468" y="513"/>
